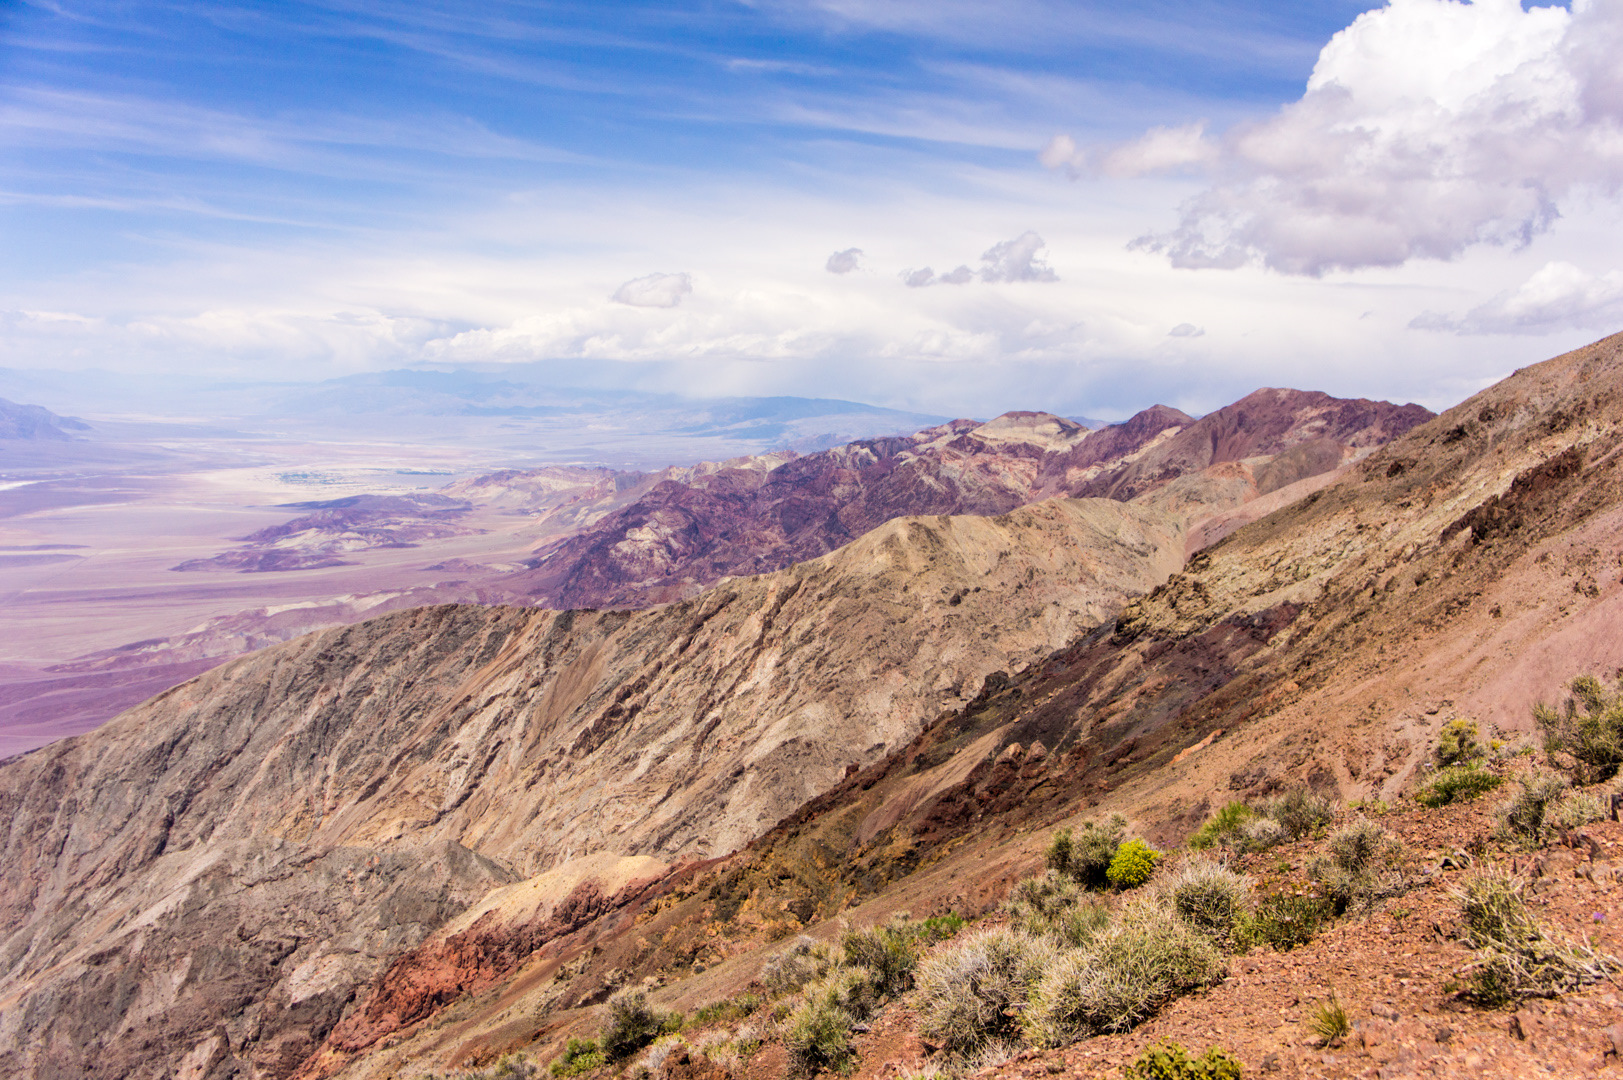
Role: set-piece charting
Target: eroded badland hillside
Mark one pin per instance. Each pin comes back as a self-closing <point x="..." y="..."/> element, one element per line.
<point x="451" y="834"/>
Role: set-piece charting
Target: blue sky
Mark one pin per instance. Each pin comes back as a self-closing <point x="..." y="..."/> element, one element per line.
<point x="1076" y="206"/>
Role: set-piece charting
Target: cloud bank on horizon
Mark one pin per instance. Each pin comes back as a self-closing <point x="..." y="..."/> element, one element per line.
<point x="1177" y="203"/>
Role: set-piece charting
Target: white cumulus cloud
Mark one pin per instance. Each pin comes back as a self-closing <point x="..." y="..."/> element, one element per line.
<point x="1186" y="329"/>
<point x="1559" y="296"/>
<point x="1428" y="126"/>
<point x="654" y="290"/>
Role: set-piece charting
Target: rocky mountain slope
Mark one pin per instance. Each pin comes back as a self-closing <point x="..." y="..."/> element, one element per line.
<point x="1468" y="569"/>
<point x="352" y="754"/>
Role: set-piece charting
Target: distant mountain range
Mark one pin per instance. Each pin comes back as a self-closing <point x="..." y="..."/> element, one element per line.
<point x="34" y="422"/>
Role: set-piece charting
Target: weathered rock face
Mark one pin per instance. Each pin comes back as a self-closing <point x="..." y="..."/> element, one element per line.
<point x="687" y="533"/>
<point x="253" y="834"/>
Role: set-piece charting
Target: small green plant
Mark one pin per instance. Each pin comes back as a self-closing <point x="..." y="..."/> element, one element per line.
<point x="1458" y="743"/>
<point x="579" y="1056"/>
<point x="1132" y="864"/>
<point x="972" y="994"/>
<point x="1456" y="784"/>
<point x="1284" y="921"/>
<point x="1329" y="1021"/>
<point x="1516" y="956"/>
<point x="941" y="927"/>
<point x="1058" y="855"/>
<point x="1526" y="817"/>
<point x="1589" y="727"/>
<point x="1167" y="1060"/>
<point x="1222" y="827"/>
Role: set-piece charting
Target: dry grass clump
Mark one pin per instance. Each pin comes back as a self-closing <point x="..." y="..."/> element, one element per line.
<point x="972" y="995"/>
<point x="1526" y="816"/>
<point x="1299" y="812"/>
<point x="1577" y="809"/>
<point x="1147" y="957"/>
<point x="1516" y="956"/>
<point x="1329" y="1020"/>
<point x="1350" y="874"/>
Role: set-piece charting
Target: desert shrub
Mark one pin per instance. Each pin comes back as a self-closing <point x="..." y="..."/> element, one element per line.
<point x="1589" y="727"/>
<point x="1356" y="846"/>
<point x="1058" y="855"/>
<point x="1456" y="784"/>
<point x="972" y="994"/>
<point x="1086" y="852"/>
<point x="579" y="1056"/>
<point x="1167" y="1060"/>
<point x="728" y="1009"/>
<point x="1576" y="809"/>
<point x="889" y="953"/>
<point x="1208" y="896"/>
<point x="1053" y="906"/>
<point x="632" y="1024"/>
<point x="796" y="966"/>
<point x="1458" y="743"/>
<point x="1146" y="958"/>
<point x="1516" y="957"/>
<point x="1258" y="834"/>
<point x="1222" y="827"/>
<point x="1042" y="897"/>
<point x="1132" y="864"/>
<point x="1348" y="875"/>
<point x="1284" y="921"/>
<point x="818" y="1037"/>
<point x="1525" y="816"/>
<point x="1299" y="812"/>
<point x="651" y="1062"/>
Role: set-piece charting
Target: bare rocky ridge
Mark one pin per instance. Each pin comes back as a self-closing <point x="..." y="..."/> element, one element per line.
<point x="684" y="535"/>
